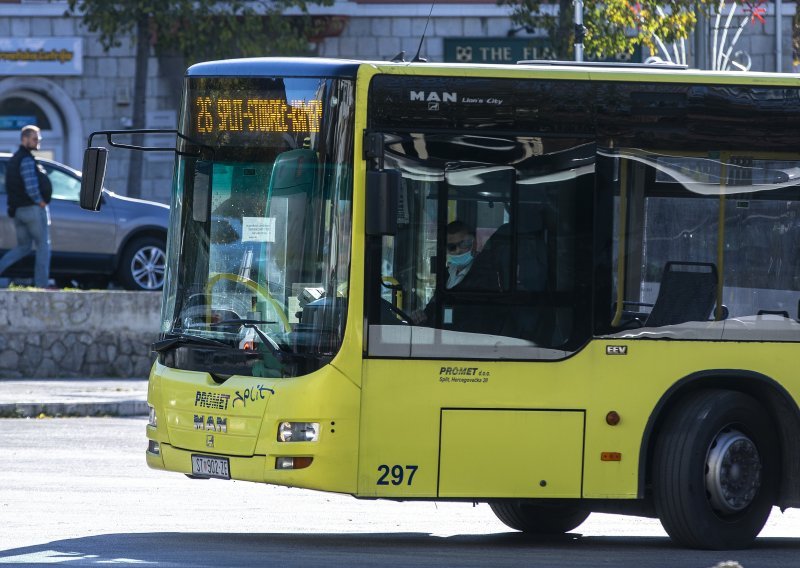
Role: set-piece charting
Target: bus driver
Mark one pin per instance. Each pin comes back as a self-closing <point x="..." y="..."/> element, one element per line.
<point x="461" y="255"/>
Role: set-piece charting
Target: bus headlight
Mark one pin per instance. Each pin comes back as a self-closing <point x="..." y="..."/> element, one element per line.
<point x="151" y="419"/>
<point x="298" y="432"/>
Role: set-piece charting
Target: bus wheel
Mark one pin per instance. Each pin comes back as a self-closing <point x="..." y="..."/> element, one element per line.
<point x="715" y="471"/>
<point x="540" y="517"/>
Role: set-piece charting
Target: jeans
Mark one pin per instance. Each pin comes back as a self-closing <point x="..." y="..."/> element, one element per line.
<point x="32" y="225"/>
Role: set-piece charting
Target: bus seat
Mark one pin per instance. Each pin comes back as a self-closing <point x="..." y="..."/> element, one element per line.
<point x="687" y="293"/>
<point x="495" y="258"/>
<point x="531" y="269"/>
<point x="529" y="315"/>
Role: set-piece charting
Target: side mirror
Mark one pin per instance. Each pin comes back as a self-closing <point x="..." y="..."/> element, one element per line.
<point x="383" y="187"/>
<point x="93" y="175"/>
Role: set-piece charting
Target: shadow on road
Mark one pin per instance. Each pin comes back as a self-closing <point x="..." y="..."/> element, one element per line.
<point x="390" y="550"/>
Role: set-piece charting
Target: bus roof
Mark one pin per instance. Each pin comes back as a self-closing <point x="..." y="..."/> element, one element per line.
<point x="345" y="68"/>
<point x="272" y="66"/>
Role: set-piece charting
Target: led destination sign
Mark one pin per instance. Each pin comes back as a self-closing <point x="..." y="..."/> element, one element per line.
<point x="256" y="114"/>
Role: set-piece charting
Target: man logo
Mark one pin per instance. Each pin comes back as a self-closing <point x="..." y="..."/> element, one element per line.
<point x="434" y="97"/>
<point x="210" y="441"/>
<point x="214" y="424"/>
<point x="616" y="349"/>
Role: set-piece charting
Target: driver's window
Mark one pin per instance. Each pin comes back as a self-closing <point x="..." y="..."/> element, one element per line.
<point x="491" y="259"/>
<point x="408" y="259"/>
<point x="473" y="267"/>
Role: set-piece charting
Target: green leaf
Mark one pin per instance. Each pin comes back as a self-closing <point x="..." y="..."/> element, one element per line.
<point x="612" y="26"/>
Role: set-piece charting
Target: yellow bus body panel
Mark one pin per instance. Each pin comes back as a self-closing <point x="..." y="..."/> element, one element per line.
<point x="251" y="441"/>
<point x="480" y="453"/>
<point x="408" y="411"/>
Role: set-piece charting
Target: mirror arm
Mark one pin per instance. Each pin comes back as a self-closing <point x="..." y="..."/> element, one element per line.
<point x="203" y="151"/>
<point x="110" y="133"/>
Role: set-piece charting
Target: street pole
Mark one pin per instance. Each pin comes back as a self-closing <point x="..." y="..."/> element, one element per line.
<point x="701" y="42"/>
<point x="778" y="36"/>
<point x="580" y="31"/>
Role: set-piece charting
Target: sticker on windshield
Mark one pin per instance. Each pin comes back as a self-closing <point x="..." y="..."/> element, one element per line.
<point x="258" y="229"/>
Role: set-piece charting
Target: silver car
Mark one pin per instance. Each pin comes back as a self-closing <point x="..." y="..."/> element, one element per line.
<point x="124" y="242"/>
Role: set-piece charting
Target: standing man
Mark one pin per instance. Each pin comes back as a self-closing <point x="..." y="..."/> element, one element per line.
<point x="29" y="191"/>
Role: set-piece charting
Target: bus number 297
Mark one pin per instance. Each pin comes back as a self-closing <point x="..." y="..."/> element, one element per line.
<point x="395" y="474"/>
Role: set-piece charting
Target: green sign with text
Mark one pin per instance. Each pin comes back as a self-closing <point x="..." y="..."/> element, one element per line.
<point x="509" y="50"/>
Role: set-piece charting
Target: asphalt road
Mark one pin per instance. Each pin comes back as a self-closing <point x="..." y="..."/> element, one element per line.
<point x="77" y="492"/>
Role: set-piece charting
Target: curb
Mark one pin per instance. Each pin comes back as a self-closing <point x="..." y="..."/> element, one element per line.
<point x="59" y="409"/>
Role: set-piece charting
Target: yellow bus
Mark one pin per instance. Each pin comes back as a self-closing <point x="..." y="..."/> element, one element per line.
<point x="557" y="289"/>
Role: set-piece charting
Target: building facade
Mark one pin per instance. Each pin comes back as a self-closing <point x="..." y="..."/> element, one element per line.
<point x="55" y="73"/>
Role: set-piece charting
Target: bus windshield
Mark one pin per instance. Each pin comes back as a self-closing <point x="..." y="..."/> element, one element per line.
<point x="259" y="245"/>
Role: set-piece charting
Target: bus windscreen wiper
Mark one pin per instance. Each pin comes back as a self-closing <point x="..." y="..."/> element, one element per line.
<point x="253" y="324"/>
<point x="240" y="321"/>
<point x="185" y="339"/>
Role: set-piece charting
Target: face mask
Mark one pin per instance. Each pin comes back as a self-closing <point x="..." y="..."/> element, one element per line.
<point x="459" y="260"/>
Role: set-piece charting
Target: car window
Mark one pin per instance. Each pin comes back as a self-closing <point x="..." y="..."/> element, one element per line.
<point x="65" y="186"/>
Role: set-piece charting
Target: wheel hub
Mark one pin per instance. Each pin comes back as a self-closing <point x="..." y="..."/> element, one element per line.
<point x="733" y="472"/>
<point x="147" y="268"/>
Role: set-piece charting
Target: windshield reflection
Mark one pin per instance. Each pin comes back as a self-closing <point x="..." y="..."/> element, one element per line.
<point x="259" y="245"/>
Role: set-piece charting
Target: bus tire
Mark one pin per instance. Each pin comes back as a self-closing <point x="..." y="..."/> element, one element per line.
<point x="715" y="471"/>
<point x="539" y="518"/>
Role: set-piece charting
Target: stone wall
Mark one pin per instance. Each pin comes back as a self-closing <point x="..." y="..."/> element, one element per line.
<point x="382" y="38"/>
<point x="74" y="334"/>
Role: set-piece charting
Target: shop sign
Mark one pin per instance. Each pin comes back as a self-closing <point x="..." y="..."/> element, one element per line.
<point x="509" y="50"/>
<point x="41" y="56"/>
<point x="15" y="122"/>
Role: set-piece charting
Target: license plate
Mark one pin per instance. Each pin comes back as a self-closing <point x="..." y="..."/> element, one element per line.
<point x="207" y="466"/>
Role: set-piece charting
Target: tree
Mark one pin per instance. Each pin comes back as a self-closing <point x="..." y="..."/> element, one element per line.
<point x="196" y="30"/>
<point x="609" y="23"/>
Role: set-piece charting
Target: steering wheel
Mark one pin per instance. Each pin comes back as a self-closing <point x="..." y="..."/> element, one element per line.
<point x="391" y="283"/>
<point x="404" y="317"/>
<point x="252" y="285"/>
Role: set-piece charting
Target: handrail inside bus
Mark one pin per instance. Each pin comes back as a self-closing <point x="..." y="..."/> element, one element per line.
<point x="623" y="227"/>
<point x="724" y="159"/>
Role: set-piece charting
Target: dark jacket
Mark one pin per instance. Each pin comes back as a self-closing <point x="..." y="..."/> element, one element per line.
<point x="496" y="297"/>
<point x="472" y="304"/>
<point x="15" y="187"/>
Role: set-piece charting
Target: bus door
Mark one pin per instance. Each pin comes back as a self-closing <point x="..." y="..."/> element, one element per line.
<point x="520" y="213"/>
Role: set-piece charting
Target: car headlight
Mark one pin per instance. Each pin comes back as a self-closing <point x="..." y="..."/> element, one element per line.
<point x="298" y="432"/>
<point x="151" y="419"/>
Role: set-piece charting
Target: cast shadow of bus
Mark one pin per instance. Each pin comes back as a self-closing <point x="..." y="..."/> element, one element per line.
<point x="388" y="550"/>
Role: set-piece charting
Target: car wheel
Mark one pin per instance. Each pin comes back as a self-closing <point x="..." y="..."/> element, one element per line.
<point x="715" y="470"/>
<point x="142" y="264"/>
